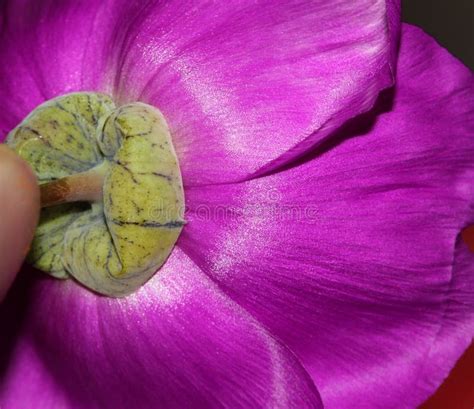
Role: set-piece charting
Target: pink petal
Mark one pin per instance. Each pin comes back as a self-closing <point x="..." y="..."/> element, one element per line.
<point x="177" y="343"/>
<point x="348" y="257"/>
<point x="249" y="86"/>
<point x="245" y="86"/>
<point x="47" y="48"/>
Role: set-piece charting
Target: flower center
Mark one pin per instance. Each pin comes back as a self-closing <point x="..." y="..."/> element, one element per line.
<point x="111" y="190"/>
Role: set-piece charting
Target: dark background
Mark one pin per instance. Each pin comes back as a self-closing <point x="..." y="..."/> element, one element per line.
<point x="451" y="22"/>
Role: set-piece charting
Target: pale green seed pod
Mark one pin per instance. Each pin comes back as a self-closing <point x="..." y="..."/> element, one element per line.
<point x="115" y="243"/>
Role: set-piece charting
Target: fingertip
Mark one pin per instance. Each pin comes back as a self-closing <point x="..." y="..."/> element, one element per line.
<point x="19" y="212"/>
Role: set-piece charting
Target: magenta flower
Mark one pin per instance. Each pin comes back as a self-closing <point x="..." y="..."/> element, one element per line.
<point x="327" y="153"/>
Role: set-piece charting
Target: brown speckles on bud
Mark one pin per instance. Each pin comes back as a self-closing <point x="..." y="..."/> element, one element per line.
<point x="111" y="192"/>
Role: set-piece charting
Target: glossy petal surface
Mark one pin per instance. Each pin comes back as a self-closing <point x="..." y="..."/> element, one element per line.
<point x="357" y="268"/>
<point x="177" y="343"/>
<point x="245" y="87"/>
<point x="351" y="257"/>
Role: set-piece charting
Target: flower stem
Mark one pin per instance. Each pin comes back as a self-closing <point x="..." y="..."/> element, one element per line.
<point x="82" y="187"/>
